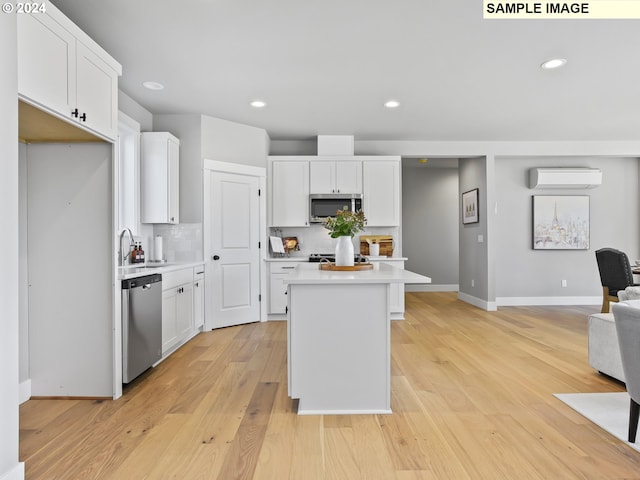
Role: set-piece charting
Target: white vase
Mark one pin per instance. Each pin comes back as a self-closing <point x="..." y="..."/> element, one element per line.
<point x="344" y="252"/>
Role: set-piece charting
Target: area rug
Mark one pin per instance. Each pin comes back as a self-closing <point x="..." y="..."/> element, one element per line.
<point x="609" y="411"/>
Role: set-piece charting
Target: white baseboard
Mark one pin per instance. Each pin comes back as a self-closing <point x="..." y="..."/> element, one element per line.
<point x="430" y="288"/>
<point x="24" y="391"/>
<point x="528" y="301"/>
<point x="16" y="473"/>
<point x="478" y="302"/>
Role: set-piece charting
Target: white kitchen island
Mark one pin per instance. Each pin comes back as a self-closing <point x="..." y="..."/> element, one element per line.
<point x="339" y="345"/>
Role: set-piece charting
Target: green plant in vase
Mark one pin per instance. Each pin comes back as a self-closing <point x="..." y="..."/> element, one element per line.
<point x="345" y="223"/>
<point x="343" y="227"/>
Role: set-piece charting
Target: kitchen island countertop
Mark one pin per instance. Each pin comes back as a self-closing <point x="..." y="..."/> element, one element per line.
<point x="310" y="273"/>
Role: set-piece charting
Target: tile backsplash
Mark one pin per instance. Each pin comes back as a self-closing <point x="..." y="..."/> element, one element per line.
<point x="316" y="239"/>
<point x="180" y="243"/>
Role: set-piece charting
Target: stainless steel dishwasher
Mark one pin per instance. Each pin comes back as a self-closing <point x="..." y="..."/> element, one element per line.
<point x="141" y="324"/>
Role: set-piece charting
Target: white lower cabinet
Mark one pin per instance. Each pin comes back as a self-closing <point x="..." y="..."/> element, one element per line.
<point x="277" y="288"/>
<point x="177" y="308"/>
<point x="198" y="297"/>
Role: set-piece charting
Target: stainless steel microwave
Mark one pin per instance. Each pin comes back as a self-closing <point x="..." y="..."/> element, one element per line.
<point x="323" y="205"/>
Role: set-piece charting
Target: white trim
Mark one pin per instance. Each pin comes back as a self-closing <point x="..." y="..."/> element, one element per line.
<point x="24" y="391"/>
<point x="431" y="288"/>
<point x="228" y="167"/>
<point x="525" y="301"/>
<point x="478" y="302"/>
<point x="344" y="412"/>
<point x="17" y="473"/>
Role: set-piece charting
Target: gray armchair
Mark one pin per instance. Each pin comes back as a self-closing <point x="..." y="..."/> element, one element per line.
<point x="627" y="319"/>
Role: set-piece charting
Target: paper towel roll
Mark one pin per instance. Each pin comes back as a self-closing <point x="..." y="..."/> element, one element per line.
<point x="374" y="249"/>
<point x="157" y="248"/>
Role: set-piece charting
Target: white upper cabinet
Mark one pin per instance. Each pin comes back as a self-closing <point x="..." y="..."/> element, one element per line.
<point x="159" y="171"/>
<point x="342" y="176"/>
<point x="45" y="50"/>
<point x="381" y="193"/>
<point x="290" y="193"/>
<point x="62" y="71"/>
<point x="96" y="92"/>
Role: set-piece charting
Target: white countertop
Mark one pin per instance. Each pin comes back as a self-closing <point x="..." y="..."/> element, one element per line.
<point x="310" y="273"/>
<point x="381" y="258"/>
<point x="133" y="271"/>
<point x="287" y="259"/>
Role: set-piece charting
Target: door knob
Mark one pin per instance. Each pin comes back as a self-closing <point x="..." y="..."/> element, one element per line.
<point x="216" y="257"/>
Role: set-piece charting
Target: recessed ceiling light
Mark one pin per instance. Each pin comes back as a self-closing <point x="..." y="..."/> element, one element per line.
<point x="553" y="63"/>
<point x="153" y="85"/>
<point x="392" y="104"/>
<point x="258" y="104"/>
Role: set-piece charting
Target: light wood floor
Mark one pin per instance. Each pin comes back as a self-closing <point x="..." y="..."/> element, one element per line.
<point x="471" y="395"/>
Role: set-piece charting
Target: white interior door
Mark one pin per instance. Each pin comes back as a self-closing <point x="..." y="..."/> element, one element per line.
<point x="232" y="259"/>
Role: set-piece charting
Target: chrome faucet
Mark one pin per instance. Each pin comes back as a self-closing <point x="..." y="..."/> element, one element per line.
<point x="121" y="256"/>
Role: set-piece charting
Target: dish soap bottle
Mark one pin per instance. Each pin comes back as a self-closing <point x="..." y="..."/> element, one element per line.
<point x="133" y="256"/>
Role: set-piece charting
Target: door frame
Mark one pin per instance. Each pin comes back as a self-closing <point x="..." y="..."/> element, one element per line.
<point x="239" y="169"/>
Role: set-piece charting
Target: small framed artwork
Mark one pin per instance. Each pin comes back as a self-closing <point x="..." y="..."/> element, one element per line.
<point x="470" y="207"/>
<point x="560" y="222"/>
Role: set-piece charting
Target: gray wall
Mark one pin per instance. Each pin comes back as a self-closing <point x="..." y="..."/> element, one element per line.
<point x="9" y="465"/>
<point x="133" y="109"/>
<point x="227" y="141"/>
<point x="614" y="219"/>
<point x="203" y="137"/>
<point x="430" y="222"/>
<point x="23" y="279"/>
<point x="188" y="129"/>
<point x="474" y="281"/>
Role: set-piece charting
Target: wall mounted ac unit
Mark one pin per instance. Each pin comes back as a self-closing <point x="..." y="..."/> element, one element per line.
<point x="560" y="178"/>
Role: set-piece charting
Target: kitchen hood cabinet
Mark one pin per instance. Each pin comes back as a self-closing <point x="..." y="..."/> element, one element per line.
<point x="64" y="72"/>
<point x="342" y="176"/>
<point x="159" y="178"/>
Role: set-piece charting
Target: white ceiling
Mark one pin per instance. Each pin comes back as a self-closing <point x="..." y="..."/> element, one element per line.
<point x="326" y="67"/>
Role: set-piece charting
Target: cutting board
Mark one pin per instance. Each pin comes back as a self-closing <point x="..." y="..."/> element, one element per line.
<point x="338" y="268"/>
<point x="385" y="242"/>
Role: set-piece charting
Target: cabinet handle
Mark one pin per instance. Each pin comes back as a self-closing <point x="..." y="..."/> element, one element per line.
<point x="181" y="290"/>
<point x="172" y="219"/>
<point x="83" y="117"/>
<point x="288" y="267"/>
<point x="197" y="285"/>
<point x="286" y="309"/>
<point x="74" y="113"/>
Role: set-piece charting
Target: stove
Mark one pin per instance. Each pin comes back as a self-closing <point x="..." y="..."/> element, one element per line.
<point x="330" y="257"/>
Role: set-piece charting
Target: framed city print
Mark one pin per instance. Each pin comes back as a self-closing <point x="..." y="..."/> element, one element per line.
<point x="560" y="222"/>
<point x="470" y="207"/>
